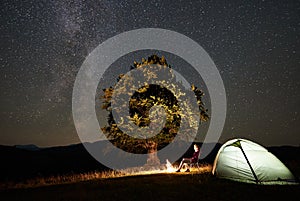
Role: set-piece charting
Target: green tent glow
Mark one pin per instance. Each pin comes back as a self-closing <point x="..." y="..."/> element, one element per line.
<point x="246" y="161"/>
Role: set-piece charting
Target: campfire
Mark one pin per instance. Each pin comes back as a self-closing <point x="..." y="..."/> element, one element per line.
<point x="170" y="167"/>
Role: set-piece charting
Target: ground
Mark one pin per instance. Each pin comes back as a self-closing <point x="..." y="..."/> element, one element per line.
<point x="163" y="186"/>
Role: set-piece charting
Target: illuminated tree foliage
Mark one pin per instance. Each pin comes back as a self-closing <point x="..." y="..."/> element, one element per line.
<point x="141" y="106"/>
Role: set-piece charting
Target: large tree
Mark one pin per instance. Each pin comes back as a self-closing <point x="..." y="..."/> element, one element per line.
<point x="142" y="105"/>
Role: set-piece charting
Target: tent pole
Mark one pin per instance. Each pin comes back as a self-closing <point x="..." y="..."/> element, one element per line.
<point x="256" y="179"/>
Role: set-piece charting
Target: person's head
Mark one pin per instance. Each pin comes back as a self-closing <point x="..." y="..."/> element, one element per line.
<point x="196" y="147"/>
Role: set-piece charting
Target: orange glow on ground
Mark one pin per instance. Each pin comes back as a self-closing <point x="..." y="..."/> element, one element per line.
<point x="167" y="168"/>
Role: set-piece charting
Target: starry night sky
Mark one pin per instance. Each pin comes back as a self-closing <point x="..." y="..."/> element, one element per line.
<point x="255" y="46"/>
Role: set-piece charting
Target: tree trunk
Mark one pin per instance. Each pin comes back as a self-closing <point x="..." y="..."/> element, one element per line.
<point x="153" y="160"/>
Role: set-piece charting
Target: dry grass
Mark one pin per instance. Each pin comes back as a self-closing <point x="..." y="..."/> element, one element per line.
<point x="196" y="185"/>
<point x="96" y="175"/>
<point x="61" y="179"/>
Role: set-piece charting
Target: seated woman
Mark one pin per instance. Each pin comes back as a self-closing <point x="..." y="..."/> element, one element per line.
<point x="193" y="159"/>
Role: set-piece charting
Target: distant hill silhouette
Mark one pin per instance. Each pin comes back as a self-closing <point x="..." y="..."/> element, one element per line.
<point x="23" y="162"/>
<point x="30" y="147"/>
<point x="19" y="163"/>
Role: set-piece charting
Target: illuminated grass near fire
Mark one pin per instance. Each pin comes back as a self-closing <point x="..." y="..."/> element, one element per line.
<point x="74" y="178"/>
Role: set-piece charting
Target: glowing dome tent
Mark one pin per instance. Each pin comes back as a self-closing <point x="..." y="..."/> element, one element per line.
<point x="246" y="161"/>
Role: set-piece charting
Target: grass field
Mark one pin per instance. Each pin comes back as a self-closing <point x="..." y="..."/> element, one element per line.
<point x="60" y="179"/>
<point x="159" y="186"/>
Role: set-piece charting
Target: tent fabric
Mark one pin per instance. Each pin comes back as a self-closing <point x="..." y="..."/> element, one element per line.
<point x="246" y="161"/>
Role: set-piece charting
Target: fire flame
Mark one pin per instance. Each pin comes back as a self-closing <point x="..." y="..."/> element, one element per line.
<point x="170" y="167"/>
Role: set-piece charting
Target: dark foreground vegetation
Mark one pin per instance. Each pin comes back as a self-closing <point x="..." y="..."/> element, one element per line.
<point x="175" y="186"/>
<point x="19" y="166"/>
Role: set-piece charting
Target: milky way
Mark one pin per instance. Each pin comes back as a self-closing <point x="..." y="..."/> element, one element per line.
<point x="254" y="45"/>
